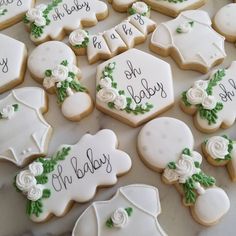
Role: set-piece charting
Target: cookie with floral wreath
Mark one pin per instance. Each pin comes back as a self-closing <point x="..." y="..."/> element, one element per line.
<point x="212" y="102"/>
<point x="73" y="173"/>
<point x="221" y="151"/>
<point x="11" y="12"/>
<point x="129" y="90"/>
<point x="59" y="17"/>
<point x="54" y="65"/>
<point x="166" y="146"/>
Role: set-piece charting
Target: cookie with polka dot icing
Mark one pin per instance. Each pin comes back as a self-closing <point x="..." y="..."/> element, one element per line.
<point x="129" y="90"/>
<point x="221" y="151"/>
<point x="13" y="11"/>
<point x="54" y="65"/>
<point x="180" y="38"/>
<point x="224" y="22"/>
<point x="166" y="146"/>
<point x="13" y="57"/>
<point x="73" y="173"/>
<point x="59" y="17"/>
<point x="212" y="102"/>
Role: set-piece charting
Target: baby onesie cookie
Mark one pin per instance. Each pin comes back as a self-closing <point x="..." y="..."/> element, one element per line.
<point x="13" y="56"/>
<point x="54" y="65"/>
<point x="53" y="21"/>
<point x="12" y="11"/>
<point x="166" y="145"/>
<point x="120" y="38"/>
<point x="24" y="132"/>
<point x="180" y="38"/>
<point x="121" y="5"/>
<point x="212" y="102"/>
<point x="221" y="151"/>
<point x="130" y="91"/>
<point x="224" y="22"/>
<point x="132" y="211"/>
<point x="72" y="174"/>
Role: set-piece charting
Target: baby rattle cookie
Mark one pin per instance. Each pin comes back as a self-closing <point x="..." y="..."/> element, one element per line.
<point x="54" y="65"/>
<point x="180" y="38"/>
<point x="118" y="39"/>
<point x="212" y="102"/>
<point x="132" y="211"/>
<point x="166" y="146"/>
<point x="130" y="91"/>
<point x="13" y="56"/>
<point x="53" y="21"/>
<point x="224" y="22"/>
<point x="24" y="132"/>
<point x="221" y="151"/>
<point x="13" y="11"/>
<point x="72" y="174"/>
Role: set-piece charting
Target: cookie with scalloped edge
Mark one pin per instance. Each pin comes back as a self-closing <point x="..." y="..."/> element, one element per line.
<point x="212" y="102"/>
<point x="166" y="145"/>
<point x="73" y="173"/>
<point x="60" y="17"/>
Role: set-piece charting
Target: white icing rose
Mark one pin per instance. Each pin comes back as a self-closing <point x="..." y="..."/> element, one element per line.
<point x="107" y="95"/>
<point x="217" y="147"/>
<point x="197" y="157"/>
<point x="144" y="106"/>
<point x="36" y="168"/>
<point x="48" y="82"/>
<point x="105" y="82"/>
<point x="25" y="180"/>
<point x="209" y="102"/>
<point x="59" y="85"/>
<point x="185" y="27"/>
<point x="77" y="37"/>
<point x="35" y="192"/>
<point x="195" y="96"/>
<point x="111" y="66"/>
<point x="120" y="218"/>
<point x="140" y="7"/>
<point x="203" y="84"/>
<point x="120" y="102"/>
<point x="8" y="112"/>
<point x="40" y="21"/>
<point x="132" y="106"/>
<point x="36" y="12"/>
<point x="170" y="175"/>
<point x="74" y="69"/>
<point x="60" y="73"/>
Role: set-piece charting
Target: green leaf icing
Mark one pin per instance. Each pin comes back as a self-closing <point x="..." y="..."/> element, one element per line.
<point x="3" y="12"/>
<point x="132" y="11"/>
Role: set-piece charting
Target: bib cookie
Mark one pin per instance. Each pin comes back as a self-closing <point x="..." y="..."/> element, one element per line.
<point x="13" y="56"/>
<point x="120" y="38"/>
<point x="166" y="145"/>
<point x="53" y="21"/>
<point x="54" y="65"/>
<point x="132" y="211"/>
<point x="221" y="151"/>
<point x="212" y="102"/>
<point x="224" y="22"/>
<point x="13" y="11"/>
<point x="180" y="38"/>
<point x="24" y="132"/>
<point x="130" y="91"/>
<point x="72" y="174"/>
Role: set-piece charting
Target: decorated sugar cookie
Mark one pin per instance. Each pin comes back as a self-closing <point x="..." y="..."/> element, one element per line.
<point x="121" y="5"/>
<point x="221" y="151"/>
<point x="212" y="102"/>
<point x="12" y="11"/>
<point x="129" y="90"/>
<point x="24" y="132"/>
<point x="166" y="145"/>
<point x="13" y="55"/>
<point x="53" y="21"/>
<point x="180" y="38"/>
<point x="139" y="8"/>
<point x="72" y="174"/>
<point x="224" y="22"/>
<point x="120" y="38"/>
<point x="127" y="213"/>
<point x="54" y="65"/>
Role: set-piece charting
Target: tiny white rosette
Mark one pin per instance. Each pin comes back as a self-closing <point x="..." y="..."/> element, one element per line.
<point x="107" y="95"/>
<point x="77" y="37"/>
<point x="140" y="7"/>
<point x="7" y="112"/>
<point x="120" y="218"/>
<point x="196" y="95"/>
<point x="25" y="180"/>
<point x="35" y="192"/>
<point x="120" y="102"/>
<point x="36" y="168"/>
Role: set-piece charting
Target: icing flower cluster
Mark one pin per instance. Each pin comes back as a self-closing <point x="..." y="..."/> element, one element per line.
<point x="185" y="27"/>
<point x="79" y="38"/>
<point x="119" y="218"/>
<point x="187" y="172"/>
<point x="36" y="15"/>
<point x="139" y="7"/>
<point x="9" y="111"/>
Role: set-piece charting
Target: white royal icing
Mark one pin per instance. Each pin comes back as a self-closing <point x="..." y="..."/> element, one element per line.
<point x="120" y="218"/>
<point x="77" y="37"/>
<point x="122" y="5"/>
<point x="140" y="7"/>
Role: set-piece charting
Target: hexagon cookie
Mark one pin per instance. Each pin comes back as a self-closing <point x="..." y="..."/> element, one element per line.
<point x="130" y="90"/>
<point x="13" y="55"/>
